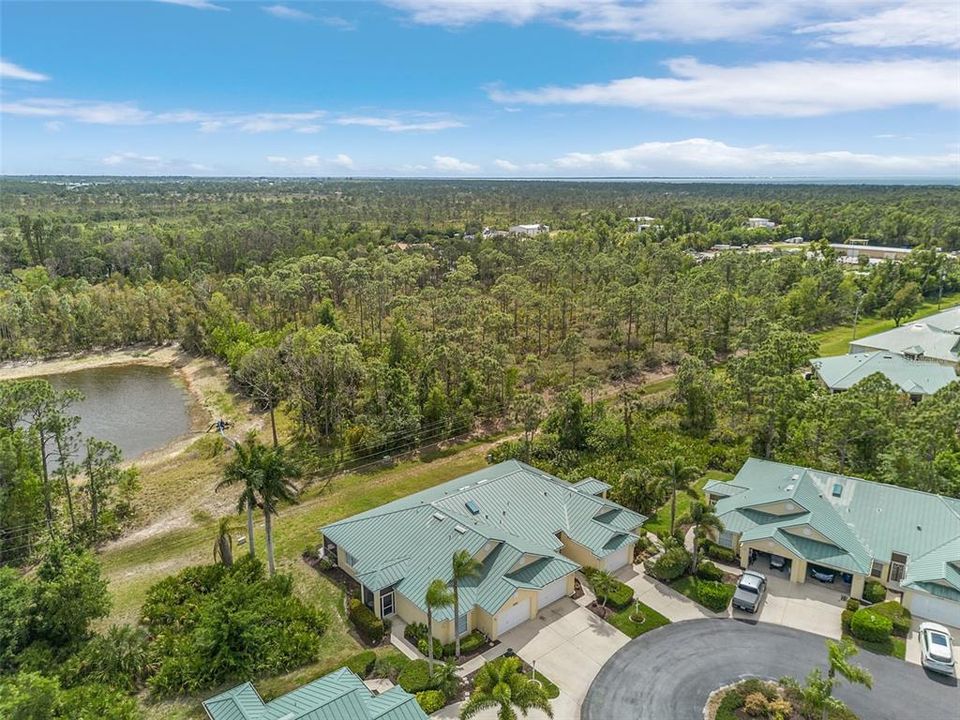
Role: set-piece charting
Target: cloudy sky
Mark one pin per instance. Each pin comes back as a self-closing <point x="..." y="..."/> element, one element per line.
<point x="477" y="88"/>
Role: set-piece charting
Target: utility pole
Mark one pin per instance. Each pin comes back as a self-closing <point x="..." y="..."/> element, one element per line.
<point x="856" y="313"/>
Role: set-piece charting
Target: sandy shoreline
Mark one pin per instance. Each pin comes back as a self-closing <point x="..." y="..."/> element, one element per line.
<point x="163" y="356"/>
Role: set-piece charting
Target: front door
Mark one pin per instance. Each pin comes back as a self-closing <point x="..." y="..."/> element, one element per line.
<point x="898" y="567"/>
<point x="386" y="604"/>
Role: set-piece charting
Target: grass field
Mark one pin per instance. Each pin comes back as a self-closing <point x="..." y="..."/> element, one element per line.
<point x="625" y="622"/>
<point x="836" y="340"/>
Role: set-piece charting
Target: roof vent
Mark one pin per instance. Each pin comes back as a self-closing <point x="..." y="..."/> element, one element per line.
<point x="472" y="506"/>
<point x="795" y="477"/>
<point x="460" y="529"/>
<point x="789" y="488"/>
<point x="439" y="516"/>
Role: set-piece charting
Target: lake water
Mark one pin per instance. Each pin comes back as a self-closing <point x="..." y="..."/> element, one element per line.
<point x="137" y="407"/>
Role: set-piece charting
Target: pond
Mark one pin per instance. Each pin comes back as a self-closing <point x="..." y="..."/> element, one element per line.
<point x="137" y="407"/>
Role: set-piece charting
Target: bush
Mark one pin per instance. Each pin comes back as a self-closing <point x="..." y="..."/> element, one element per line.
<point x="415" y="677"/>
<point x="362" y="663"/>
<point x="671" y="564"/>
<point x="870" y="626"/>
<point x="430" y="701"/>
<point x="424" y="649"/>
<point x="709" y="571"/>
<point x="845" y="617"/>
<point x="414" y="632"/>
<point x="874" y="592"/>
<point x="719" y="553"/>
<point x="714" y="595"/>
<point x="898" y="614"/>
<point x="468" y="643"/>
<point x="619" y="596"/>
<point x="390" y="665"/>
<point x="755" y="704"/>
<point x="367" y="624"/>
<point x="853" y="604"/>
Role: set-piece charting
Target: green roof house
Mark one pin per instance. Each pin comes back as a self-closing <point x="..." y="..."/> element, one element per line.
<point x="935" y="338"/>
<point x="530" y="531"/>
<point x="341" y="695"/>
<point x="917" y="378"/>
<point x="906" y="539"/>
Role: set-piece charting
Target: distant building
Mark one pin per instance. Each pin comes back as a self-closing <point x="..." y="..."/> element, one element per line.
<point x="529" y="230"/>
<point x="916" y="378"/>
<point x="644" y="222"/>
<point x="872" y="252"/>
<point x="760" y="223"/>
<point x="798" y="240"/>
<point x="936" y="338"/>
<point x="491" y="233"/>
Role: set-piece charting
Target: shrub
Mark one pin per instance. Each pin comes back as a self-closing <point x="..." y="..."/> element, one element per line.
<point x="845" y="617"/>
<point x="390" y="665"/>
<point x="870" y="626"/>
<point x="755" y="704"/>
<point x="671" y="564"/>
<point x="414" y="632"/>
<point x="367" y="624"/>
<point x="853" y="604"/>
<point x="468" y="643"/>
<point x="714" y="595"/>
<point x="718" y="552"/>
<point x="779" y="709"/>
<point x="709" y="571"/>
<point x="874" y="592"/>
<point x="430" y="701"/>
<point x="362" y="663"/>
<point x="415" y="677"/>
<point x="898" y="614"/>
<point x="619" y="595"/>
<point x="424" y="649"/>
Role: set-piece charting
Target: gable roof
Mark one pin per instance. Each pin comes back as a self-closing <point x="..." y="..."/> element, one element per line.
<point x="937" y="337"/>
<point x="510" y="515"/>
<point x="916" y="377"/>
<point x="341" y="695"/>
<point x="867" y="521"/>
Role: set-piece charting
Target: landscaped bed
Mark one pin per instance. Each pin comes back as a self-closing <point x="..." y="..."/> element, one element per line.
<point x="713" y="595"/>
<point x="754" y="698"/>
<point x="636" y="619"/>
<point x="881" y="628"/>
<point x="549" y="688"/>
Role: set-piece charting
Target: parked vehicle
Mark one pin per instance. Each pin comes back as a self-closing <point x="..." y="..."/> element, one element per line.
<point x="822" y="574"/>
<point x="936" y="649"/>
<point x="750" y="591"/>
<point x="777" y="562"/>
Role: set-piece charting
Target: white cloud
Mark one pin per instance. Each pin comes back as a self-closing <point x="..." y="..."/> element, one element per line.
<point x="287" y="13"/>
<point x="918" y="23"/>
<point x="344" y="161"/>
<point x="152" y="164"/>
<point x="308" y="162"/>
<point x="395" y="125"/>
<point x="786" y="89"/>
<point x="12" y="71"/>
<point x="700" y="156"/>
<point x="447" y="164"/>
<point x="506" y="165"/>
<point x="195" y="4"/>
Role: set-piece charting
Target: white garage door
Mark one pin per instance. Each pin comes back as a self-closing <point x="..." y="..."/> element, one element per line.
<point x="552" y="592"/>
<point x="514" y="616"/>
<point x="936" y="609"/>
<point x="618" y="559"/>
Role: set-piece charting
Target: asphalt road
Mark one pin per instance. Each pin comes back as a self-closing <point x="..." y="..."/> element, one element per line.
<point x="668" y="673"/>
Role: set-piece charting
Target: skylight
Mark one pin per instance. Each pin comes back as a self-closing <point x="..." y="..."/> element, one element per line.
<point x="472" y="507"/>
<point x="439" y="516"/>
<point x="837" y="490"/>
<point x="460" y="529"/>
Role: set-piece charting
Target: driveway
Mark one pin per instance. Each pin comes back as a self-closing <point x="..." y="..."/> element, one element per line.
<point x="671" y="671"/>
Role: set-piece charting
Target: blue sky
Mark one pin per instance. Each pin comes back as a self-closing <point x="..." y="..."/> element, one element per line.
<point x="473" y="88"/>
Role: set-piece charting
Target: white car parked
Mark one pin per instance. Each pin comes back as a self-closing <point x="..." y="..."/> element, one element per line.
<point x="936" y="648"/>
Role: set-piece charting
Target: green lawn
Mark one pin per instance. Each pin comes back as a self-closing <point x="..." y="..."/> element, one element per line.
<point x="651" y="619"/>
<point x="836" y="340"/>
<point x="893" y="646"/>
<point x="659" y="522"/>
<point x="687" y="586"/>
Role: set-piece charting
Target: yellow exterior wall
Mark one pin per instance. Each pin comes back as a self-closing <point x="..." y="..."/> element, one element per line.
<point x="577" y="552"/>
<point x="814" y="535"/>
<point x="484" y="622"/>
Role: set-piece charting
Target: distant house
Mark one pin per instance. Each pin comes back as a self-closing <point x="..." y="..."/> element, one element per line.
<point x="491" y="233"/>
<point x="529" y="230"/>
<point x="760" y="223"/>
<point x="341" y="695"/>
<point x="936" y="338"/>
<point x="530" y="532"/>
<point x="917" y="378"/>
<point x="875" y="253"/>
<point x="857" y="529"/>
<point x="643" y="222"/>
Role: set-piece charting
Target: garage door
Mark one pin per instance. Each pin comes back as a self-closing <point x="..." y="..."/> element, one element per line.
<point x="618" y="559"/>
<point x="936" y="609"/>
<point x="552" y="592"/>
<point x="514" y="616"/>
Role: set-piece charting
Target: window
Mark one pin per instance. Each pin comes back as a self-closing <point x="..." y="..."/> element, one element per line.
<point x="462" y="625"/>
<point x="351" y="560"/>
<point x="472" y="506"/>
<point x="727" y="539"/>
<point x="386" y="604"/>
<point x="876" y="570"/>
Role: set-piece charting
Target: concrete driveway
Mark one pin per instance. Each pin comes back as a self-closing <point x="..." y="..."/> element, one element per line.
<point x="670" y="672"/>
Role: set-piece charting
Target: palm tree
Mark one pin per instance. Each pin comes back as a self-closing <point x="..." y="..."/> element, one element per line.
<point x="679" y="477"/>
<point x="464" y="566"/>
<point x="438" y="596"/>
<point x="704" y="520"/>
<point x="277" y="473"/>
<point x="639" y="490"/>
<point x="603" y="583"/>
<point x="244" y="470"/>
<point x="501" y="684"/>
<point x="838" y="655"/>
<point x="223" y="546"/>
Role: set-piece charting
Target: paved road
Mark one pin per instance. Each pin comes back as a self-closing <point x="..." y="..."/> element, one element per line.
<point x="667" y="674"/>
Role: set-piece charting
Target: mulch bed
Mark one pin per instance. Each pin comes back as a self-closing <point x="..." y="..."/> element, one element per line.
<point x="601" y="612"/>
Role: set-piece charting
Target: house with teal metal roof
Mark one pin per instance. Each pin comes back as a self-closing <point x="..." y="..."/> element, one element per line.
<point x="935" y="338"/>
<point x="917" y="378"/>
<point x="341" y="695"/>
<point x="529" y="530"/>
<point x="862" y="530"/>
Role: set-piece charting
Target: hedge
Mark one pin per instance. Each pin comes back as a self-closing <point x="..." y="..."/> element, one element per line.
<point x="714" y="595"/>
<point x="620" y="596"/>
<point x="370" y="627"/>
<point x="430" y="701"/>
<point x="709" y="571"/>
<point x="874" y="592"/>
<point x="468" y="643"/>
<point x="870" y="626"/>
<point x="424" y="648"/>
<point x="719" y="553"/>
<point x="415" y="677"/>
<point x="671" y="564"/>
<point x="362" y="663"/>
<point x="898" y="614"/>
<point x="853" y="604"/>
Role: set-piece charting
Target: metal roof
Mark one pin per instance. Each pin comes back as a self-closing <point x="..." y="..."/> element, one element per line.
<point x="522" y="512"/>
<point x="591" y="486"/>
<point x="938" y="336"/>
<point x="917" y="377"/>
<point x="341" y="695"/>
<point x="867" y="521"/>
